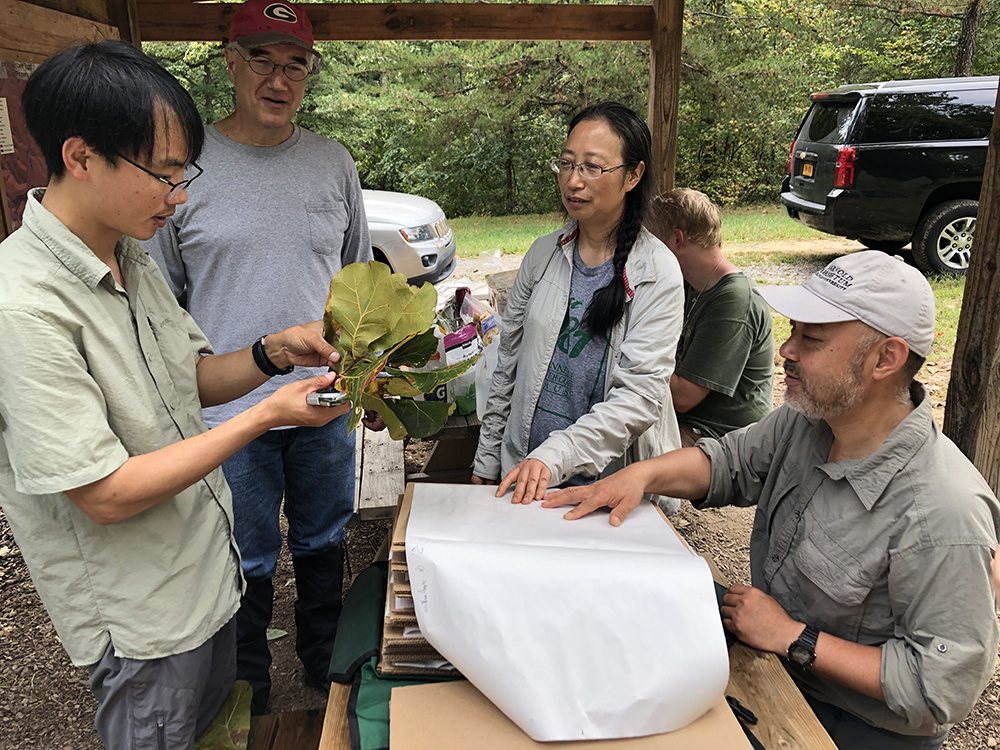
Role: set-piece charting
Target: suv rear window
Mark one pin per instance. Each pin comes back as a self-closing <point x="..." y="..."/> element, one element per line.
<point x="930" y="116"/>
<point x="828" y="122"/>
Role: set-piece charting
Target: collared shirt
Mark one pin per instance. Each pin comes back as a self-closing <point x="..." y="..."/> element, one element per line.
<point x="92" y="374"/>
<point x="891" y="550"/>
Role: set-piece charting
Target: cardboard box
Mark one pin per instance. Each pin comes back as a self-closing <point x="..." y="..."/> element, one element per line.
<point x="456" y="716"/>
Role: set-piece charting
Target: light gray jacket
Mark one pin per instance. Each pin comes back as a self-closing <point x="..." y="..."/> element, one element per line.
<point x="631" y="423"/>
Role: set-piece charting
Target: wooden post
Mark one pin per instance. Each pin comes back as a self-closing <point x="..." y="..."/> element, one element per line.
<point x="972" y="412"/>
<point x="664" y="88"/>
<point x="123" y="15"/>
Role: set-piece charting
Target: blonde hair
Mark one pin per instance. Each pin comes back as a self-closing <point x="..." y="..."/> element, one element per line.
<point x="689" y="210"/>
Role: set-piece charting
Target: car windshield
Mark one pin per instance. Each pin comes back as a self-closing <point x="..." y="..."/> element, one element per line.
<point x="828" y="122"/>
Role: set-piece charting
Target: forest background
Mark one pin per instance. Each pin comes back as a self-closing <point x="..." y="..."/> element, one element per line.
<point x="472" y="125"/>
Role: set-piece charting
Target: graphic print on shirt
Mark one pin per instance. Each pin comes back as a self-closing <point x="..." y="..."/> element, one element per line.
<point x="572" y="341"/>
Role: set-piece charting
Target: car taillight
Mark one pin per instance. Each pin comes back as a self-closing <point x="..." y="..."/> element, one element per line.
<point x="844" y="177"/>
<point x="791" y="158"/>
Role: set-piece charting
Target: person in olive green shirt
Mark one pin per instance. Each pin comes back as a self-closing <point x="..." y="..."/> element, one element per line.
<point x="109" y="479"/>
<point x="724" y="377"/>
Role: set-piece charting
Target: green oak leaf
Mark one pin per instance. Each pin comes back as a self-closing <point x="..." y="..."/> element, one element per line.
<point x="230" y="729"/>
<point x="397" y="431"/>
<point x="417" y="351"/>
<point x="420" y="418"/>
<point x="375" y="309"/>
<point x="426" y="382"/>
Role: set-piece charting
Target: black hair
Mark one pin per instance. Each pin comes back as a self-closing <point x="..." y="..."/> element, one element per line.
<point x="111" y="95"/>
<point x="608" y="304"/>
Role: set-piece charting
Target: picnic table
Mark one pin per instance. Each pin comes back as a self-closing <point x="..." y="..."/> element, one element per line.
<point x="758" y="680"/>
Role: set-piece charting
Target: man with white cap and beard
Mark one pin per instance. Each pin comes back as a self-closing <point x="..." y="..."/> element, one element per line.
<point x="871" y="544"/>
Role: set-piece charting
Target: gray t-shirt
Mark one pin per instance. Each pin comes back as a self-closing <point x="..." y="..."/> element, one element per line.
<point x="263" y="231"/>
<point x="575" y="378"/>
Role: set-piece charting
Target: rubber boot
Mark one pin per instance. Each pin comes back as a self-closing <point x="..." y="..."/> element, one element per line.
<point x="253" y="657"/>
<point x="319" y="580"/>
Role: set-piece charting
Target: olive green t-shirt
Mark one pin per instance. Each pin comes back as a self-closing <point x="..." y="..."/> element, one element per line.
<point x="93" y="373"/>
<point x="726" y="346"/>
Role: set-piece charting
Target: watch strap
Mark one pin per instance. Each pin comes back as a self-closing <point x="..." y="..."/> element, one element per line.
<point x="809" y="638"/>
<point x="264" y="364"/>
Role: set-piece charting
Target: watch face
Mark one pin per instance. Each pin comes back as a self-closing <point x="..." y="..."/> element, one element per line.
<point x="800" y="654"/>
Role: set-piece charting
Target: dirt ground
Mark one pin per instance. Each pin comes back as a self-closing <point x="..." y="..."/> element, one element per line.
<point x="45" y="701"/>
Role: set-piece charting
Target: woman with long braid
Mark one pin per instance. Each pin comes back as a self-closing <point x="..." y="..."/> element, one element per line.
<point x="590" y="328"/>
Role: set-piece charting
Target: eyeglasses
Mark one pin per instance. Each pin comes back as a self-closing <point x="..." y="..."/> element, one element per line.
<point x="175" y="187"/>
<point x="564" y="168"/>
<point x="264" y="66"/>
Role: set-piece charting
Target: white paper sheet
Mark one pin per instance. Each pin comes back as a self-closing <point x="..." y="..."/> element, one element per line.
<point x="575" y="630"/>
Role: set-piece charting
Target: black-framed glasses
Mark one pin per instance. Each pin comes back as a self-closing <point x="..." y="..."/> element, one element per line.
<point x="564" y="168"/>
<point x="265" y="66"/>
<point x="175" y="187"/>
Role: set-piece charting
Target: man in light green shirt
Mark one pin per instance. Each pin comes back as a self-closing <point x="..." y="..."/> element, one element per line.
<point x="108" y="476"/>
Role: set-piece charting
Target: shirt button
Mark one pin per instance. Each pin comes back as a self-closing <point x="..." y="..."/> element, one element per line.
<point x="173" y="403"/>
<point x="942" y="648"/>
<point x="775" y="558"/>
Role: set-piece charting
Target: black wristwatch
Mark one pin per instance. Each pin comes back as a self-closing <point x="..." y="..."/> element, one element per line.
<point x="265" y="365"/>
<point x="802" y="653"/>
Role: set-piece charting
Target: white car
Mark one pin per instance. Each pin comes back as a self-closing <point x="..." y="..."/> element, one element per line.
<point x="411" y="235"/>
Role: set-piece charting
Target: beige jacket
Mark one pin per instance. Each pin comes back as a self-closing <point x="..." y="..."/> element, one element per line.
<point x="631" y="423"/>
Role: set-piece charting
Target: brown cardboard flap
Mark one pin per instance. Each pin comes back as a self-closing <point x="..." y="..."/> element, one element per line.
<point x="456" y="716"/>
<point x="399" y="527"/>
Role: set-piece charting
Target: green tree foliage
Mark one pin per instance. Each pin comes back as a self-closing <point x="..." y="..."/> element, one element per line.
<point x="472" y="125"/>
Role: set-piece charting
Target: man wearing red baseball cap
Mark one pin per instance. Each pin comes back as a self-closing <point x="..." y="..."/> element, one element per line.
<point x="278" y="214"/>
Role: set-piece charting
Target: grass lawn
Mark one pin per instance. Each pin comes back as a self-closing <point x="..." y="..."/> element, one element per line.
<point x="742" y="228"/>
<point x="514" y="234"/>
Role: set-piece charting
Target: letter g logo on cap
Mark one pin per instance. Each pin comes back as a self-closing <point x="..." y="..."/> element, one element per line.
<point x="280" y="12"/>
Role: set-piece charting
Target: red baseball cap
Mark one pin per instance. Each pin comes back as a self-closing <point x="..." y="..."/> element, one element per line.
<point x="258" y="23"/>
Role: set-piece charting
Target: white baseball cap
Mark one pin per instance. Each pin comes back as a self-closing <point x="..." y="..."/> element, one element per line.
<point x="878" y="289"/>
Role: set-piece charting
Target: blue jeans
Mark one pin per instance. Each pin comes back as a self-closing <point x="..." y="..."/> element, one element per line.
<point x="313" y="469"/>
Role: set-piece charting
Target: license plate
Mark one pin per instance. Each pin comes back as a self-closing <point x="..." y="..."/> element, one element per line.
<point x="807" y="170"/>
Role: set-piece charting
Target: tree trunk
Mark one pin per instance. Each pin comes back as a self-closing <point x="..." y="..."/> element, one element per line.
<point x="966" y="48"/>
<point x="972" y="413"/>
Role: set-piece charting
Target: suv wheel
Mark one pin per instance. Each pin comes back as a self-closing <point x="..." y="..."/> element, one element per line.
<point x="943" y="240"/>
<point x="886" y="246"/>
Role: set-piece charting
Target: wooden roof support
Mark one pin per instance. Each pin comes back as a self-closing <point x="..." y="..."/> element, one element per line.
<point x="972" y="412"/>
<point x="166" y="21"/>
<point x="664" y="88"/>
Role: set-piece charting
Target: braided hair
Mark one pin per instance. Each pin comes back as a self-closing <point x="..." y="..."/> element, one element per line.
<point x="608" y="304"/>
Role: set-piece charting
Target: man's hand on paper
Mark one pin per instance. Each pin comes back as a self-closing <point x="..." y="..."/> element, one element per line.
<point x="532" y="478"/>
<point x="621" y="492"/>
<point x="758" y="620"/>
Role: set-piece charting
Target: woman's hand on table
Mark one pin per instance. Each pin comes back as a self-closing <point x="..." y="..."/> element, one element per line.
<point x="758" y="620"/>
<point x="532" y="481"/>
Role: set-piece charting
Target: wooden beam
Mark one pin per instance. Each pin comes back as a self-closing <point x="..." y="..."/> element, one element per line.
<point x="165" y="21"/>
<point x="664" y="88"/>
<point x="92" y="10"/>
<point x="35" y="30"/>
<point x="972" y="411"/>
<point x="124" y="15"/>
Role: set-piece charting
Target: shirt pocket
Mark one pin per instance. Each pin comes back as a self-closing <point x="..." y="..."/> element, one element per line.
<point x="836" y="586"/>
<point x="328" y="223"/>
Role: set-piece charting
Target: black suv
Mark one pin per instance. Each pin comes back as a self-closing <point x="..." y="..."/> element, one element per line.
<point x="896" y="162"/>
